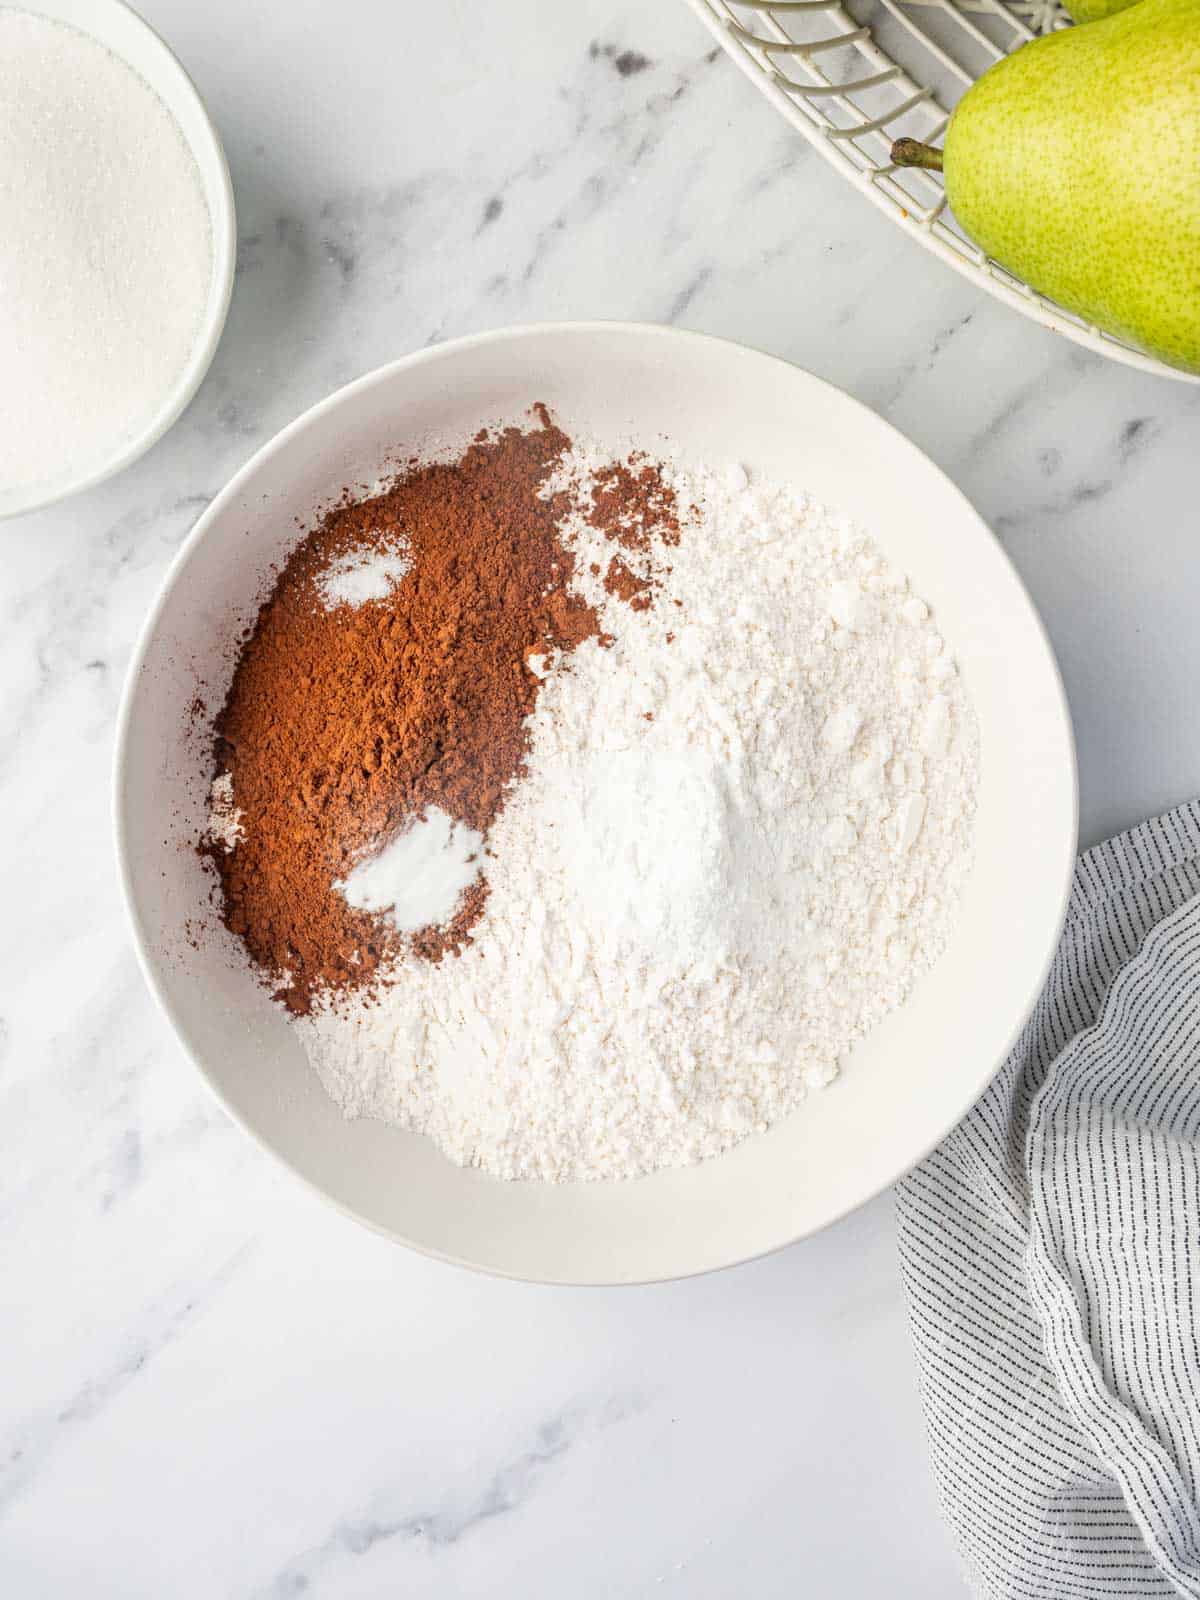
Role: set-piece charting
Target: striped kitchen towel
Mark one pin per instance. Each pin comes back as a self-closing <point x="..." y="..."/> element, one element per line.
<point x="1051" y="1256"/>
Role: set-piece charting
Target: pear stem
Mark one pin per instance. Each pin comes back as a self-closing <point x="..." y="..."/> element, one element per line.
<point x="912" y="153"/>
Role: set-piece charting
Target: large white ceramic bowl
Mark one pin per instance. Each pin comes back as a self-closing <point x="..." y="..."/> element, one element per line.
<point x="905" y="1086"/>
<point x="121" y="30"/>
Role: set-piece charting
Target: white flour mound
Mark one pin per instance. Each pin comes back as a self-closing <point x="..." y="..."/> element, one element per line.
<point x="734" y="852"/>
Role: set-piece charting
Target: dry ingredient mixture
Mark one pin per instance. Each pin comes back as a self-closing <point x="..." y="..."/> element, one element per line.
<point x="105" y="251"/>
<point x="593" y="839"/>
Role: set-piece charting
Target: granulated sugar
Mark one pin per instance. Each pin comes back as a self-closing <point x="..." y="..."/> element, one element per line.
<point x="739" y="841"/>
<point x="105" y="252"/>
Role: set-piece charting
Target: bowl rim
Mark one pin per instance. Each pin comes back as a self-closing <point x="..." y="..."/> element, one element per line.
<point x="973" y="1089"/>
<point x="223" y="232"/>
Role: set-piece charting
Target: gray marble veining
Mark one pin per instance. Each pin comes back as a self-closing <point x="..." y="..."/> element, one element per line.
<point x="452" y="1516"/>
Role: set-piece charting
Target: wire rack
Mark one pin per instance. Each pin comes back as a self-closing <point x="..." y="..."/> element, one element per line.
<point x="852" y="75"/>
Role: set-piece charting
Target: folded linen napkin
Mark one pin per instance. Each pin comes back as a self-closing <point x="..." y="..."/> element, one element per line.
<point x="1051" y="1255"/>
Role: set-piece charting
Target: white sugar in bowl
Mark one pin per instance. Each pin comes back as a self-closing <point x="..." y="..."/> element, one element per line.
<point x="118" y="247"/>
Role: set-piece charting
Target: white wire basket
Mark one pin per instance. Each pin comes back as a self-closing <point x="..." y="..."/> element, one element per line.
<point x="852" y="75"/>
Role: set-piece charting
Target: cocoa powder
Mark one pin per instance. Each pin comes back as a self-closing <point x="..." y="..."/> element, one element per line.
<point x="621" y="580"/>
<point x="343" y="725"/>
<point x="631" y="505"/>
<point x="631" y="502"/>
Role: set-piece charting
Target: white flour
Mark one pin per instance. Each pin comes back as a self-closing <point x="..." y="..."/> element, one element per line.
<point x="733" y="853"/>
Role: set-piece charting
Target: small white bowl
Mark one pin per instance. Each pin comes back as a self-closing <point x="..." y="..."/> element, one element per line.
<point x="904" y="1087"/>
<point x="123" y="32"/>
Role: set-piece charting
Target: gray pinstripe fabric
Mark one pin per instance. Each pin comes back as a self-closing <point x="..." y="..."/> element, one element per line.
<point x="1051" y="1255"/>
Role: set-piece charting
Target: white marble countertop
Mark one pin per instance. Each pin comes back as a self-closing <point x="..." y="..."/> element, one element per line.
<point x="211" y="1385"/>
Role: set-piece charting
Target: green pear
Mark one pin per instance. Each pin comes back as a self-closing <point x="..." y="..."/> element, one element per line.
<point x="1075" y="163"/>
<point x="1093" y="10"/>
